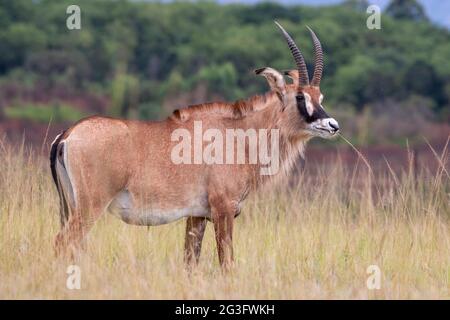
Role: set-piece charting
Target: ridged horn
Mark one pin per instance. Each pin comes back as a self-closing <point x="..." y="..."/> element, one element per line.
<point x="303" y="77"/>
<point x="318" y="59"/>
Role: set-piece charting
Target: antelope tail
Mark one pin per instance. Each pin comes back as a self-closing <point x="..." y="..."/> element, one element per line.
<point x="64" y="208"/>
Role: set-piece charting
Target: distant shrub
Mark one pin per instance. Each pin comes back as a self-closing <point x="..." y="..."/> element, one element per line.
<point x="43" y="113"/>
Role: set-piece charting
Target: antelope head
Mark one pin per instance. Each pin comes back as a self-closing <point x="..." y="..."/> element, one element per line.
<point x="302" y="100"/>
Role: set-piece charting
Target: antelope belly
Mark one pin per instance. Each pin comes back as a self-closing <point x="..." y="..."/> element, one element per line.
<point x="122" y="207"/>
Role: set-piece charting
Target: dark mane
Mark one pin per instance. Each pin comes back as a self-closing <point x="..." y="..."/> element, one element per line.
<point x="234" y="110"/>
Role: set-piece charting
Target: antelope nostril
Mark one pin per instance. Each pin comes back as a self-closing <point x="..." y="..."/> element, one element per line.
<point x="333" y="124"/>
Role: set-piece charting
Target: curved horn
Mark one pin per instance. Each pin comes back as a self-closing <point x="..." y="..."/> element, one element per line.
<point x="318" y="59"/>
<point x="303" y="77"/>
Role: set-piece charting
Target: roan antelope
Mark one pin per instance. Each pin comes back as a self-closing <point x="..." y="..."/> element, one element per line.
<point x="125" y="166"/>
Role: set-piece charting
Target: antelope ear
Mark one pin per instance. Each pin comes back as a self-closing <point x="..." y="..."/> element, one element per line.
<point x="293" y="74"/>
<point x="275" y="79"/>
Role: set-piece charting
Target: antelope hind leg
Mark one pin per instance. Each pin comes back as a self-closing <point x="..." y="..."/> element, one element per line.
<point x="195" y="229"/>
<point x="69" y="240"/>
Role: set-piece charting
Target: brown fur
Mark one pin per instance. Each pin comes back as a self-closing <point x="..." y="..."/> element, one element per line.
<point x="107" y="158"/>
<point x="236" y="110"/>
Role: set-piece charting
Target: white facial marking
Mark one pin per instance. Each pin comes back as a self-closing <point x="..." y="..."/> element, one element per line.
<point x="321" y="99"/>
<point x="325" y="127"/>
<point x="308" y="103"/>
<point x="332" y="123"/>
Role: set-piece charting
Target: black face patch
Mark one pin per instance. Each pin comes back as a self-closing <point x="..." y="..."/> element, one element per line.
<point x="317" y="114"/>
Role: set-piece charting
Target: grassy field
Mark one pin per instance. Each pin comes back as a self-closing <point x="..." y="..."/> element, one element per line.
<point x="314" y="241"/>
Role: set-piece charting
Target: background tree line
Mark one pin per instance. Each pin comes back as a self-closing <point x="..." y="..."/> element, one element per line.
<point x="143" y="59"/>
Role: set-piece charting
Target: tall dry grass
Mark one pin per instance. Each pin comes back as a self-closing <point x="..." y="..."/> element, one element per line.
<point x="315" y="240"/>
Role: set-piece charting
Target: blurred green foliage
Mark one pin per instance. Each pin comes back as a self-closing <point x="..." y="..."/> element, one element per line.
<point x="43" y="113"/>
<point x="143" y="54"/>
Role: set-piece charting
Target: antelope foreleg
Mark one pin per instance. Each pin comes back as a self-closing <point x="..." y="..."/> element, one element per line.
<point x="223" y="228"/>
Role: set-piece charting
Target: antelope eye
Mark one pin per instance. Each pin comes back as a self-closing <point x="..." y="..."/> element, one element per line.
<point x="301" y="106"/>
